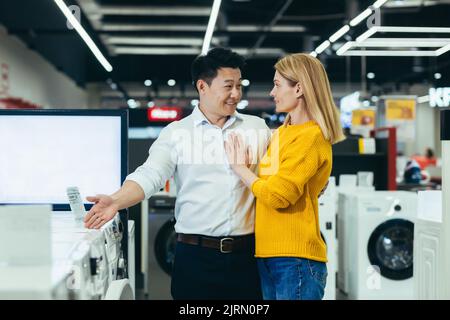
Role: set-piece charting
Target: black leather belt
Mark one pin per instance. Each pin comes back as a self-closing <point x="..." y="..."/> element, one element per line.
<point x="223" y="244"/>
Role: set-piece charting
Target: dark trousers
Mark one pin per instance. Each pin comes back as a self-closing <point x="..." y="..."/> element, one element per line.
<point x="201" y="273"/>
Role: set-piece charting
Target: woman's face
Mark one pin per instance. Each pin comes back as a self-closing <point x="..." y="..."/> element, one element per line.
<point x="284" y="95"/>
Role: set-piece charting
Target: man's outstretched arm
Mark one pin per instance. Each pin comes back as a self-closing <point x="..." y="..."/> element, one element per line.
<point x="106" y="207"/>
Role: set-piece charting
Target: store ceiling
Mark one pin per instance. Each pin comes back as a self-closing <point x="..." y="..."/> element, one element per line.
<point x="129" y="32"/>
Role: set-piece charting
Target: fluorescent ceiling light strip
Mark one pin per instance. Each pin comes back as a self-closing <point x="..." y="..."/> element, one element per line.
<point x="367" y="34"/>
<point x="443" y="50"/>
<point x="430" y="41"/>
<point x="423" y="99"/>
<point x="322" y="46"/>
<point x="363" y="15"/>
<point x="344" y="48"/>
<point x="211" y="25"/>
<point x="151" y="27"/>
<point x="314" y="54"/>
<point x="414" y="29"/>
<point x="83" y="34"/>
<point x="273" y="52"/>
<point x="389" y="53"/>
<point x="155" y="41"/>
<point x="379" y="3"/>
<point x="339" y="33"/>
<point x="154" y="11"/>
<point x="400" y="44"/>
<point x="156" y="51"/>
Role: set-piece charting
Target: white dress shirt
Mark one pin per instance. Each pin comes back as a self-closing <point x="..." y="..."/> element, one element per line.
<point x="211" y="199"/>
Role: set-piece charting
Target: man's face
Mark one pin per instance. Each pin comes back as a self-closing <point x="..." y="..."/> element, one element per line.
<point x="224" y="93"/>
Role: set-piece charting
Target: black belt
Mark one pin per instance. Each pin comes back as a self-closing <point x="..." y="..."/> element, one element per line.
<point x="223" y="244"/>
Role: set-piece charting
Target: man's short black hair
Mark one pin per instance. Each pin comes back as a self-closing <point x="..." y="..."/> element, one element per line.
<point x="205" y="66"/>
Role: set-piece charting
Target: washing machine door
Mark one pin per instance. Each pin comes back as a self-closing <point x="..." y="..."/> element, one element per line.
<point x="390" y="248"/>
<point x="165" y="243"/>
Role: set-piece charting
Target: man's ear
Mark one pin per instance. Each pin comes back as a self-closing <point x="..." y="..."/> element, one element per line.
<point x="201" y="85"/>
<point x="298" y="90"/>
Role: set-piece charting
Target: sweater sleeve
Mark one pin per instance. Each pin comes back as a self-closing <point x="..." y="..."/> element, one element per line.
<point x="297" y="166"/>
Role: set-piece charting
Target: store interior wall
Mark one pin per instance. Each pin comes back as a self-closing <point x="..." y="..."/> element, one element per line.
<point x="35" y="80"/>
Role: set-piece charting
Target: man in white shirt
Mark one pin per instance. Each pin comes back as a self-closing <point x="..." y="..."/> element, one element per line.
<point x="214" y="211"/>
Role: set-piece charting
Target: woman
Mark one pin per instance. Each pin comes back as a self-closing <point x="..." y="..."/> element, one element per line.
<point x="290" y="250"/>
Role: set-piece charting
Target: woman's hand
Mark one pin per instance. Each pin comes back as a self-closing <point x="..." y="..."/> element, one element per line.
<point x="238" y="154"/>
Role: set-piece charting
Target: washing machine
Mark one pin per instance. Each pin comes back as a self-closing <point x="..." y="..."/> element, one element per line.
<point x="161" y="246"/>
<point x="379" y="244"/>
<point x="327" y="223"/>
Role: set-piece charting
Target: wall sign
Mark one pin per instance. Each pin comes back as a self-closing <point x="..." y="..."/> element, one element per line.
<point x="439" y="97"/>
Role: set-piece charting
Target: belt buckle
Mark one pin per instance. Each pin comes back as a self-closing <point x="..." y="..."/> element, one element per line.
<point x="221" y="245"/>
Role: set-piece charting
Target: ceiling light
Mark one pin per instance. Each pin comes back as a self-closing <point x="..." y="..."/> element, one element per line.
<point x="389" y="53"/>
<point x="211" y="25"/>
<point x="443" y="50"/>
<point x="132" y="103"/>
<point x="375" y="99"/>
<point x="154" y="10"/>
<point x="379" y="3"/>
<point x="245" y="82"/>
<point x="150" y="104"/>
<point x="437" y="75"/>
<point x="148" y="83"/>
<point x="367" y="34"/>
<point x="194" y="102"/>
<point x="314" y="54"/>
<point x="83" y="34"/>
<point x="322" y="46"/>
<point x="363" y="15"/>
<point x="344" y="48"/>
<point x="171" y="82"/>
<point x="423" y="99"/>
<point x="371" y="75"/>
<point x="242" y="105"/>
<point x="339" y="33"/>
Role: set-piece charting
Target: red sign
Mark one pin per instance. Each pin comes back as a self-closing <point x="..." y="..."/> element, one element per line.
<point x="164" y="113"/>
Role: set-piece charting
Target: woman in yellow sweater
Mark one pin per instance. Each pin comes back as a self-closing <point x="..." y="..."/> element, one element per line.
<point x="290" y="250"/>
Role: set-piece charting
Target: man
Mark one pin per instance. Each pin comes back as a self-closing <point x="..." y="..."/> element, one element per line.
<point x="214" y="211"/>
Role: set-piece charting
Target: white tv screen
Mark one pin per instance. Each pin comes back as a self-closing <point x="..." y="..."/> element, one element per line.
<point x="42" y="155"/>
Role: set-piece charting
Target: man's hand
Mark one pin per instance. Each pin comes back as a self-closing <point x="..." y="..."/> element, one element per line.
<point x="103" y="210"/>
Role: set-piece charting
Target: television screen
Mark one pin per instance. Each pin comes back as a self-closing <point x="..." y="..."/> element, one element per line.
<point x="42" y="152"/>
<point x="346" y="106"/>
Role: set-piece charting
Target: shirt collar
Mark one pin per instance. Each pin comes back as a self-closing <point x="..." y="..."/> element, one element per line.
<point x="199" y="117"/>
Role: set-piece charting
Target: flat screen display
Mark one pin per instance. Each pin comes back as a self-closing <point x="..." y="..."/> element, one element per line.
<point x="43" y="153"/>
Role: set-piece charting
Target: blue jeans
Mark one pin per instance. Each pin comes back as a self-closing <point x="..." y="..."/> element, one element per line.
<point x="289" y="278"/>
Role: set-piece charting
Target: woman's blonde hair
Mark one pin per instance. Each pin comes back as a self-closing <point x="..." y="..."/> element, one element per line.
<point x="311" y="75"/>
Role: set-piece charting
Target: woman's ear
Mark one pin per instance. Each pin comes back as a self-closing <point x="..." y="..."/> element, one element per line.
<point x="298" y="90"/>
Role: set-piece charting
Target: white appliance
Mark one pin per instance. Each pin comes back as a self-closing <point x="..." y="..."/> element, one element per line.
<point x="348" y="184"/>
<point x="444" y="277"/>
<point x="131" y="256"/>
<point x="427" y="245"/>
<point x="378" y="244"/>
<point x="327" y="222"/>
<point x="160" y="247"/>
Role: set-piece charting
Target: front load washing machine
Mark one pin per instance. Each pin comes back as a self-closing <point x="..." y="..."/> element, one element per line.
<point x="161" y="246"/>
<point x="379" y="244"/>
<point x="327" y="222"/>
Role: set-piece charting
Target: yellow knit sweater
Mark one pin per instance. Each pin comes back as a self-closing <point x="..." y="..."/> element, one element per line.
<point x="291" y="175"/>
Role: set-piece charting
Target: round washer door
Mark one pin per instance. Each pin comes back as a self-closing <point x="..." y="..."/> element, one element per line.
<point x="390" y="248"/>
<point x="165" y="243"/>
